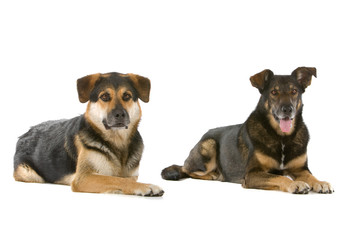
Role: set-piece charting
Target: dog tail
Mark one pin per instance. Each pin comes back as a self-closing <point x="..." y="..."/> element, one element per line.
<point x="174" y="173"/>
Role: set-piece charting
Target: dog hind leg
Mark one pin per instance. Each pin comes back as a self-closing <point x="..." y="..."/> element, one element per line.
<point x="200" y="164"/>
<point x="24" y="173"/>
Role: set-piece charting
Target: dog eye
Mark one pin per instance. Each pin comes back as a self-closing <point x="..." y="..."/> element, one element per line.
<point x="105" y="97"/>
<point x="294" y="91"/>
<point x="126" y="97"/>
<point x="274" y="92"/>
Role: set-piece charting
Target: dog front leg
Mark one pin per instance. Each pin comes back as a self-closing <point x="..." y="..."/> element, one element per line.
<point x="315" y="184"/>
<point x="94" y="183"/>
<point x="268" y="181"/>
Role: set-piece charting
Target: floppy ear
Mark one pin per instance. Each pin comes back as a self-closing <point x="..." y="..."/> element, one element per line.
<point x="85" y="85"/>
<point x="259" y="79"/>
<point x="303" y="75"/>
<point x="142" y="86"/>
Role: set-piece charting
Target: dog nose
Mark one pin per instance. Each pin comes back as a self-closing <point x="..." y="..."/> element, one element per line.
<point x="287" y="109"/>
<point x="120" y="114"/>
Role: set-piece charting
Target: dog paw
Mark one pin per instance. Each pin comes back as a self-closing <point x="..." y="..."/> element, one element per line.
<point x="322" y="187"/>
<point x="149" y="190"/>
<point x="299" y="187"/>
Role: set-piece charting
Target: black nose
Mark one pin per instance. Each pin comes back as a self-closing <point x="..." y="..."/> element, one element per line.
<point x="287" y="109"/>
<point x="120" y="114"/>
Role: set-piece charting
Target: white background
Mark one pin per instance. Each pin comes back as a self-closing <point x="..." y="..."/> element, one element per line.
<point x="199" y="56"/>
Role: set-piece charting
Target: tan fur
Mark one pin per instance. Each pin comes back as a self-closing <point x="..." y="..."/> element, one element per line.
<point x="97" y="174"/>
<point x="299" y="105"/>
<point x="266" y="181"/>
<point x="208" y="149"/>
<point x="95" y="183"/>
<point x="25" y="173"/>
<point x="108" y="106"/>
<point x="265" y="161"/>
<point x="142" y="86"/>
<point x="66" y="180"/>
<point x="297" y="162"/>
<point x="210" y="176"/>
<point x="85" y="85"/>
<point x="119" y="96"/>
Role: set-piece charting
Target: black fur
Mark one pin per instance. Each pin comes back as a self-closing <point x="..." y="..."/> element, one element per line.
<point x="42" y="148"/>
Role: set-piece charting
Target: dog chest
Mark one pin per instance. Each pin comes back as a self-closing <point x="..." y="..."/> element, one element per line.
<point x="282" y="156"/>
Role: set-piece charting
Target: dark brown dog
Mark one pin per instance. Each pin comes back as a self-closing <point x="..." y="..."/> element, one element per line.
<point x="98" y="152"/>
<point x="267" y="149"/>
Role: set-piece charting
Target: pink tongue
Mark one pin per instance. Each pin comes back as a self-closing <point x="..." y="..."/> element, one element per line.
<point x="285" y="125"/>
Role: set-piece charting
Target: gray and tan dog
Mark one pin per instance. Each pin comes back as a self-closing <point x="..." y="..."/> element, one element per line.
<point x="262" y="152"/>
<point x="97" y="152"/>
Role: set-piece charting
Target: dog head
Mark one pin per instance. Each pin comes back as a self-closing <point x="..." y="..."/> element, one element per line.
<point x="281" y="95"/>
<point x="113" y="99"/>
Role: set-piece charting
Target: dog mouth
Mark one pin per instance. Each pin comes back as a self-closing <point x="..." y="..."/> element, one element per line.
<point x="285" y="123"/>
<point x="116" y="125"/>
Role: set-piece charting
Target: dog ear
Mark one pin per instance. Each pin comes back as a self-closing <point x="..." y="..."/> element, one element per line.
<point x="259" y="79"/>
<point x="85" y="85"/>
<point x="303" y="75"/>
<point x="142" y="86"/>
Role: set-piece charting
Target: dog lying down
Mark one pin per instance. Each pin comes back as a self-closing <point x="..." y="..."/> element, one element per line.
<point x="97" y="152"/>
<point x="262" y="152"/>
